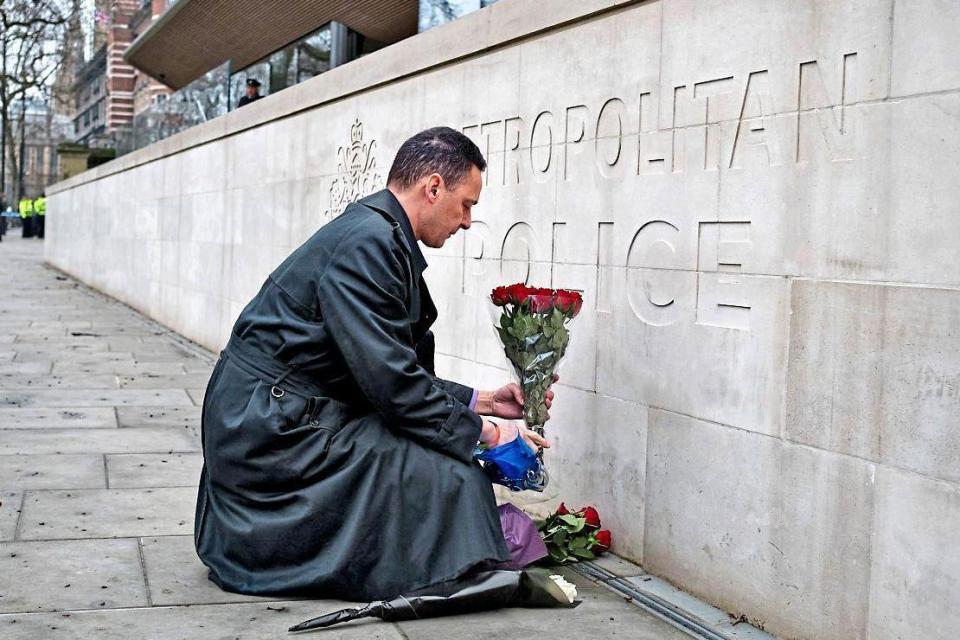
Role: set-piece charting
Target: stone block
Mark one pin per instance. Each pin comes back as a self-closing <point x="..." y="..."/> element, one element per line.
<point x="710" y="344"/>
<point x="598" y="457"/>
<point x="777" y="532"/>
<point x="875" y="373"/>
<point x="69" y="574"/>
<point x="107" y="513"/>
<point x="925" y="47"/>
<point x="773" y="40"/>
<point x="916" y="558"/>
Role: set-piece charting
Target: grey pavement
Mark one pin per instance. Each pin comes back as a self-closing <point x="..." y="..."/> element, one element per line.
<point x="99" y="460"/>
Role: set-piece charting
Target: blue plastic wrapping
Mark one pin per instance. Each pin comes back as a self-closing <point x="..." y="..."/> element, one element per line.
<point x="514" y="465"/>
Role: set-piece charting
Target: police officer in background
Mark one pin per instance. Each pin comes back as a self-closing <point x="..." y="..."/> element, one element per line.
<point x="253" y="93"/>
<point x="26" y="216"/>
<point x="39" y="210"/>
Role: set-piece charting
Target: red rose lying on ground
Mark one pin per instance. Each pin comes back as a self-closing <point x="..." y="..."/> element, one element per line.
<point x="602" y="538"/>
<point x="593" y="518"/>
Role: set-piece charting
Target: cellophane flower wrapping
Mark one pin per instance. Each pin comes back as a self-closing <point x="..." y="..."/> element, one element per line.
<point x="532" y="326"/>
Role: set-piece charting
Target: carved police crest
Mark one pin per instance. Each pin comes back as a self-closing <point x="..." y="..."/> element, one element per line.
<point x="357" y="169"/>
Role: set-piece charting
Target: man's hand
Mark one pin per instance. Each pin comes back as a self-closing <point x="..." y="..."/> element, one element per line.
<point x="507" y="401"/>
<point x="494" y="435"/>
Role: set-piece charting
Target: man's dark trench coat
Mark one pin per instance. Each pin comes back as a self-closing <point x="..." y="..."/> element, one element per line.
<point x="336" y="464"/>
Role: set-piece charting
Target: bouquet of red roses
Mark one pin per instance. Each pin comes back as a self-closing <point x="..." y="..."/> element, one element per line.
<point x="571" y="536"/>
<point x="533" y="330"/>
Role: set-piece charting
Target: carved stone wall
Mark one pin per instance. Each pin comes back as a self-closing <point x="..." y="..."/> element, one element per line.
<point x="759" y="200"/>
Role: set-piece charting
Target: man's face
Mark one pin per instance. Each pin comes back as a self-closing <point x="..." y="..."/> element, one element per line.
<point x="251" y="91"/>
<point x="451" y="210"/>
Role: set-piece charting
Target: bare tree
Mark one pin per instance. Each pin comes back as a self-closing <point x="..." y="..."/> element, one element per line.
<point x="30" y="53"/>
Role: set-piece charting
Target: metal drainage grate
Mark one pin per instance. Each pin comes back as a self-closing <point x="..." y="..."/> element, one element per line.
<point x="660" y="608"/>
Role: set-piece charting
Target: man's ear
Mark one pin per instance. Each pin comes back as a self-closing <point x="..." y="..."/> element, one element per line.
<point x="434" y="184"/>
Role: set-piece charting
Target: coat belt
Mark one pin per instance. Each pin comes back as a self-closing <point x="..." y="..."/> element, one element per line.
<point x="268" y="369"/>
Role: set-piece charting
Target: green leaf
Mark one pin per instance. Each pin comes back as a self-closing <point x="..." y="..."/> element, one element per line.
<point x="557" y="555"/>
<point x="584" y="554"/>
<point x="560" y="537"/>
<point x="579" y="543"/>
<point x="573" y="523"/>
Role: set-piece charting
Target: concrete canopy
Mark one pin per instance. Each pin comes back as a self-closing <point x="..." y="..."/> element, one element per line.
<point x="194" y="36"/>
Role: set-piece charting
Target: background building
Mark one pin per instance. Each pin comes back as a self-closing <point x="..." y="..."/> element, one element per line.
<point x="37" y="131"/>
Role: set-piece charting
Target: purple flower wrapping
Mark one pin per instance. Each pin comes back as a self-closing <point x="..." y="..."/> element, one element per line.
<point x="523" y="540"/>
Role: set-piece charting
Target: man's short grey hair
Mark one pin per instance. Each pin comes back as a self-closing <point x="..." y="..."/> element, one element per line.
<point x="439" y="150"/>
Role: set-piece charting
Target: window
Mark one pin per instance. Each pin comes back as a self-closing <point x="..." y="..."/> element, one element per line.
<point x="314" y="55"/>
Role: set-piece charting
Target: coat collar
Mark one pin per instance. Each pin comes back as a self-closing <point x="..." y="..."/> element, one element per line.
<point x="386" y="202"/>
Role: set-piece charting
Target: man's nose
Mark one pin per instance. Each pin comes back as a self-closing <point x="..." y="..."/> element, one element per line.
<point x="465" y="222"/>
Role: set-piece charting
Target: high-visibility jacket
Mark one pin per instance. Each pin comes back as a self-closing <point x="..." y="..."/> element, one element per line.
<point x="40" y="206"/>
<point x="26" y="208"/>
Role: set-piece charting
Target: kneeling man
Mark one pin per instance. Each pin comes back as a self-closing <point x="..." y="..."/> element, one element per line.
<point x="335" y="463"/>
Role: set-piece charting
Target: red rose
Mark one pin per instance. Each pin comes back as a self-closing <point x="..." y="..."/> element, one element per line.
<point x="603" y="541"/>
<point x="562" y="510"/>
<point x="518" y="293"/>
<point x="500" y="296"/>
<point x="593" y="518"/>
<point x="569" y="302"/>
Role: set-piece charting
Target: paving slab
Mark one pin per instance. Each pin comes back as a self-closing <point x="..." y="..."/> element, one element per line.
<point x="154" y="470"/>
<point x="197" y="395"/>
<point x="188" y="381"/>
<point x="132" y="440"/>
<point x="33" y="352"/>
<point x="9" y="513"/>
<point x="52" y="471"/>
<point x="176" y="575"/>
<point x="78" y="358"/>
<point x="26" y="368"/>
<point x="19" y="382"/>
<point x="120" y="368"/>
<point x="43" y="339"/>
<point x="98" y="398"/>
<point x="158" y="416"/>
<point x="107" y="513"/>
<point x="243" y="621"/>
<point x="70" y="574"/>
<point x="59" y="325"/>
<point x="618" y="566"/>
<point x="46" y="418"/>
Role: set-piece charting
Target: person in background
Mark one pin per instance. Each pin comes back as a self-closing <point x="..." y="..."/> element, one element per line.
<point x="253" y="92"/>
<point x="26" y="216"/>
<point x="39" y="211"/>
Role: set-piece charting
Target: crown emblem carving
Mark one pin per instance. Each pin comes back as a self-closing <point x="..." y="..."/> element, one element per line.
<point x="358" y="174"/>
